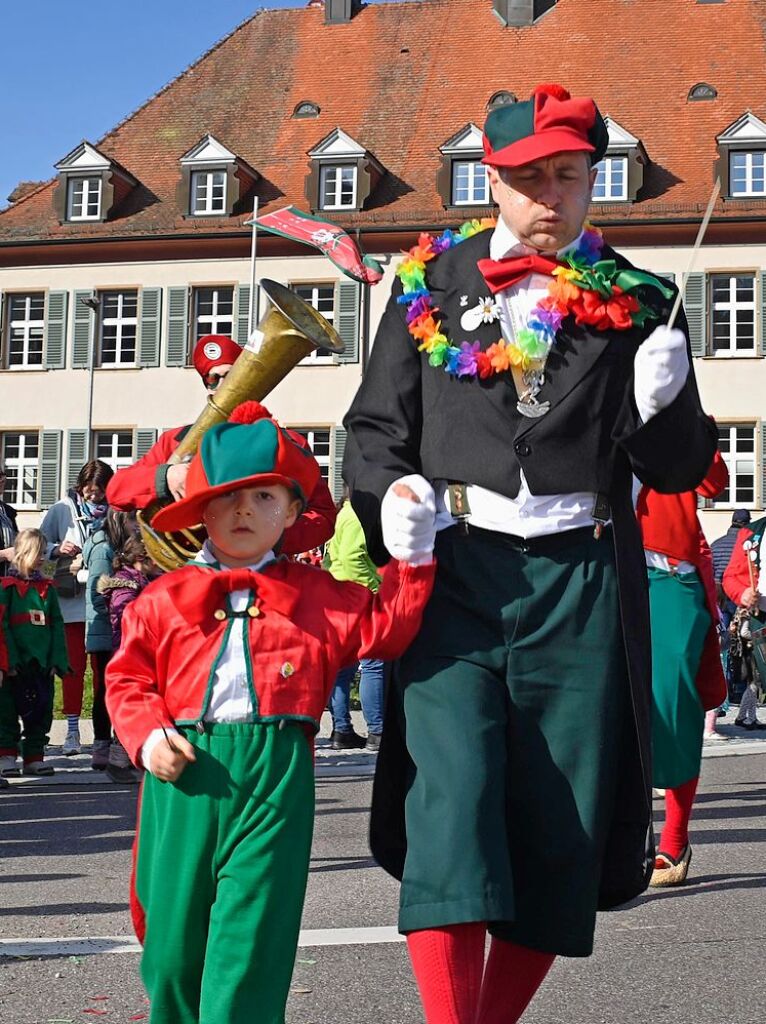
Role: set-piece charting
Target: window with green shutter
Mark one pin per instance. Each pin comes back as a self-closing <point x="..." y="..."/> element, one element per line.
<point x="347" y="319"/>
<point x="144" y="439"/>
<point x="178" y="327"/>
<point x="762" y="325"/>
<point x="242" y="323"/>
<point x="25" y="330"/>
<point x="83" y="326"/>
<point x="77" y="455"/>
<point x="149" y="339"/>
<point x="695" y="306"/>
<point x="55" y="331"/>
<point x="338" y="450"/>
<point x="50" y="467"/>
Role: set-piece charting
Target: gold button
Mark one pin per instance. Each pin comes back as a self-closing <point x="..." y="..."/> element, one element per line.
<point x="253" y="611"/>
<point x="219" y="614"/>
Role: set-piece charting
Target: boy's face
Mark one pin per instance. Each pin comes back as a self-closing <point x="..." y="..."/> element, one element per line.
<point x="244" y="524"/>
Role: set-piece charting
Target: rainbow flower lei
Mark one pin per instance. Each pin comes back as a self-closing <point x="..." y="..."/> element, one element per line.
<point x="595" y="291"/>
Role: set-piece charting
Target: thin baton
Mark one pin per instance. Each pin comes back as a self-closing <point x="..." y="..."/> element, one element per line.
<point x="695" y="250"/>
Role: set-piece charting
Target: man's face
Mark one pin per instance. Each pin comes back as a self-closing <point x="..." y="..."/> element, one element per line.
<point x="245" y="524"/>
<point x="545" y="203"/>
<point x="212" y="380"/>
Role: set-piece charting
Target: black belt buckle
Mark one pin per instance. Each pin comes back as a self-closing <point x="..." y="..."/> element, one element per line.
<point x="600" y="515"/>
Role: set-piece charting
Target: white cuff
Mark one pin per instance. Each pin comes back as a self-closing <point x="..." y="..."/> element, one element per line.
<point x="151" y="742"/>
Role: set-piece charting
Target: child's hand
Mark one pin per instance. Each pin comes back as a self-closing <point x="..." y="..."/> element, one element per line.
<point x="170" y="757"/>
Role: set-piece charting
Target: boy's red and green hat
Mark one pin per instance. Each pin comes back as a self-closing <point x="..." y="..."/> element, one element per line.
<point x="550" y="122"/>
<point x="250" y="450"/>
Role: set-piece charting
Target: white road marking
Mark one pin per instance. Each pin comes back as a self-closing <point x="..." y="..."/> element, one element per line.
<point x="128" y="944"/>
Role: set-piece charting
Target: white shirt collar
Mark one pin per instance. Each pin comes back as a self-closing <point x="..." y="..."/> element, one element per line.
<point x="504" y="243"/>
<point x="207" y="557"/>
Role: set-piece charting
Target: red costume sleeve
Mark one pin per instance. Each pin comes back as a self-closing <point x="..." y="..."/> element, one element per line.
<point x="135" y="704"/>
<point x="315" y="526"/>
<point x="717" y="478"/>
<point x="136" y="486"/>
<point x="736" y="578"/>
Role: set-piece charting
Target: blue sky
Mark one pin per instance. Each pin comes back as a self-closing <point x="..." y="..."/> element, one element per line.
<point x="72" y="71"/>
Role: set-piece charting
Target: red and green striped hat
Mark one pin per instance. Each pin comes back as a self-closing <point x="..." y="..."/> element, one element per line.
<point x="550" y="122"/>
<point x="250" y="450"/>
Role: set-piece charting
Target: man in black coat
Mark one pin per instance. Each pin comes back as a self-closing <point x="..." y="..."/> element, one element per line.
<point x="514" y="780"/>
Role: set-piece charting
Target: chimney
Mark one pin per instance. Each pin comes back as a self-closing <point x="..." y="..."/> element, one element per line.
<point x="518" y="13"/>
<point x="338" y="11"/>
<point x="23" y="189"/>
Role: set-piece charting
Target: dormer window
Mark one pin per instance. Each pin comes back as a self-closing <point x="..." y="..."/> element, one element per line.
<point x="306" y="108"/>
<point x="83" y="199"/>
<point x="343" y="173"/>
<point x="213" y="180"/>
<point x="91" y="185"/>
<point x="462" y="178"/>
<point x="742" y="163"/>
<point x="620" y="174"/>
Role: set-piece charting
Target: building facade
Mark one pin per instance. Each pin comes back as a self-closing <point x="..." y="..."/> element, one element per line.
<point x="138" y="244"/>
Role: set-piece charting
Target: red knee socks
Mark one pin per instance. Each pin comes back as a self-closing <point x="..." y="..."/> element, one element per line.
<point x="678" y="809"/>
<point x="512" y="976"/>
<point x="448" y="964"/>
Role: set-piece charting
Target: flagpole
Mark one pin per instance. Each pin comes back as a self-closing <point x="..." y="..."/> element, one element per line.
<point x="253" y="248"/>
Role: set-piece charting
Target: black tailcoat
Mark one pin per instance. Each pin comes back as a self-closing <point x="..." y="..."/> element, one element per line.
<point x="409" y="417"/>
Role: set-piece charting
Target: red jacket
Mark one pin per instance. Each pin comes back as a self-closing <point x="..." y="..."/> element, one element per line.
<point x="306" y="626"/>
<point x="669" y="525"/>
<point x="138" y="485"/>
<point x="737" y="577"/>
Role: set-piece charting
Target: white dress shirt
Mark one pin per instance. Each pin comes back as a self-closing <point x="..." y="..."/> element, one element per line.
<point x="230" y="696"/>
<point x="526" y="515"/>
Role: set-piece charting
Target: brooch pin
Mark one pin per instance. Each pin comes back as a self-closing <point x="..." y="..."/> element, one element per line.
<point x="463" y="301"/>
<point x="287" y="670"/>
<point x="486" y="312"/>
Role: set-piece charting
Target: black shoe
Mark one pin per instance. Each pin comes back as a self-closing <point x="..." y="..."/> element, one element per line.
<point x="750" y="726"/>
<point x="373" y="741"/>
<point x="347" y="741"/>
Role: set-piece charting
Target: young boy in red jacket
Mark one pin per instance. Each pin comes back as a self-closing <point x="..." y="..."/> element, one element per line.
<point x="222" y="677"/>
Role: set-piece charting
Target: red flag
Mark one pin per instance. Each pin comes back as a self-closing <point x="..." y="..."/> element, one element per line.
<point x="325" y="236"/>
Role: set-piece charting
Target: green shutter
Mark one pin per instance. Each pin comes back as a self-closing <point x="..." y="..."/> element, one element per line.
<point x="695" y="295"/>
<point x="338" y="449"/>
<point x="242" y="317"/>
<point x="50" y="467"/>
<point x="83" y="325"/>
<point x="55" y="331"/>
<point x="77" y="455"/>
<point x="143" y="439"/>
<point x="763" y="325"/>
<point x="149" y="341"/>
<point x="3" y="361"/>
<point x="347" y="319"/>
<point x="178" y="327"/>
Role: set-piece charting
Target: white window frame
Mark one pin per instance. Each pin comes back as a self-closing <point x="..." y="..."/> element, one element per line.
<point x="211" y="205"/>
<point x="90" y="184"/>
<point x="733" y="458"/>
<point x="213" y="320"/>
<point x="112" y="439"/>
<point x="317" y="357"/>
<point x="605" y="169"/>
<point x="337" y="202"/>
<point x="22" y="464"/>
<point x="120" y="322"/>
<point x="26" y="324"/>
<point x="476" y="172"/>
<point x="732" y="306"/>
<point x="748" y="189"/>
<point x="323" y="461"/>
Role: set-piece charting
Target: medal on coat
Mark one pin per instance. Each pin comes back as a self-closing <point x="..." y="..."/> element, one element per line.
<point x="529" y="382"/>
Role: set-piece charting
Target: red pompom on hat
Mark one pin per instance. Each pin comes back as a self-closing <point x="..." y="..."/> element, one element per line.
<point x="214" y="350"/>
<point x="250" y="412"/>
<point x="552" y="89"/>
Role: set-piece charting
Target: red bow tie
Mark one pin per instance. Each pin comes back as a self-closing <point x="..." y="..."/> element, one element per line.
<point x="502" y="274"/>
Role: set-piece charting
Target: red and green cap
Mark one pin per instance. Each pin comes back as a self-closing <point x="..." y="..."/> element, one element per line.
<point x="250" y="450"/>
<point x="550" y="122"/>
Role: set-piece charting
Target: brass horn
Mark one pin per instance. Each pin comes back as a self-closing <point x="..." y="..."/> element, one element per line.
<point x="289" y="331"/>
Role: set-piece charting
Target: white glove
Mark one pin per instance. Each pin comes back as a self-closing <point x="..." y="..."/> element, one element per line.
<point x="661" y="367"/>
<point x="409" y="527"/>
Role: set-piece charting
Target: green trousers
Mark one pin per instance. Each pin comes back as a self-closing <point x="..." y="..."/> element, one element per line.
<point x="514" y="698"/>
<point x="680" y="622"/>
<point x="26" y="696"/>
<point x="221" y="871"/>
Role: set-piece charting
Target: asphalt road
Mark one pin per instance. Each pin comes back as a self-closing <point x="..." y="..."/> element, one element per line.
<point x="692" y="955"/>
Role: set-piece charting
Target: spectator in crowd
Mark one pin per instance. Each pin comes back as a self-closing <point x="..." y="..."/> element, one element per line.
<point x="347" y="559"/>
<point x="98" y="555"/>
<point x="8" y="528"/>
<point x="745" y="584"/>
<point x="154" y="477"/>
<point x="36" y="647"/>
<point x="722" y="549"/>
<point x="67" y="525"/>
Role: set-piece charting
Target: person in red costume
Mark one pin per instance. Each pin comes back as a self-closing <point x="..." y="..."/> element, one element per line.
<point x="687" y="676"/>
<point x="153" y="477"/>
<point x="745" y="584"/>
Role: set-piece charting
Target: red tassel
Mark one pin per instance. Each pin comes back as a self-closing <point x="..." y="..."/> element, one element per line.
<point x="250" y="412"/>
<point x="552" y="89"/>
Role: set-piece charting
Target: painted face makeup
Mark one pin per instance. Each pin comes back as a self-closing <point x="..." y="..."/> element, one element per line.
<point x="246" y="524"/>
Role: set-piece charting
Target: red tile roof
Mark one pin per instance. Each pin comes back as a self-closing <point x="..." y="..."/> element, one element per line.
<point x="402" y="78"/>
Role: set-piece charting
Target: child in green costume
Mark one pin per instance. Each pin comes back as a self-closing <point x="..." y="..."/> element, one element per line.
<point x="217" y="689"/>
<point x="34" y="634"/>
